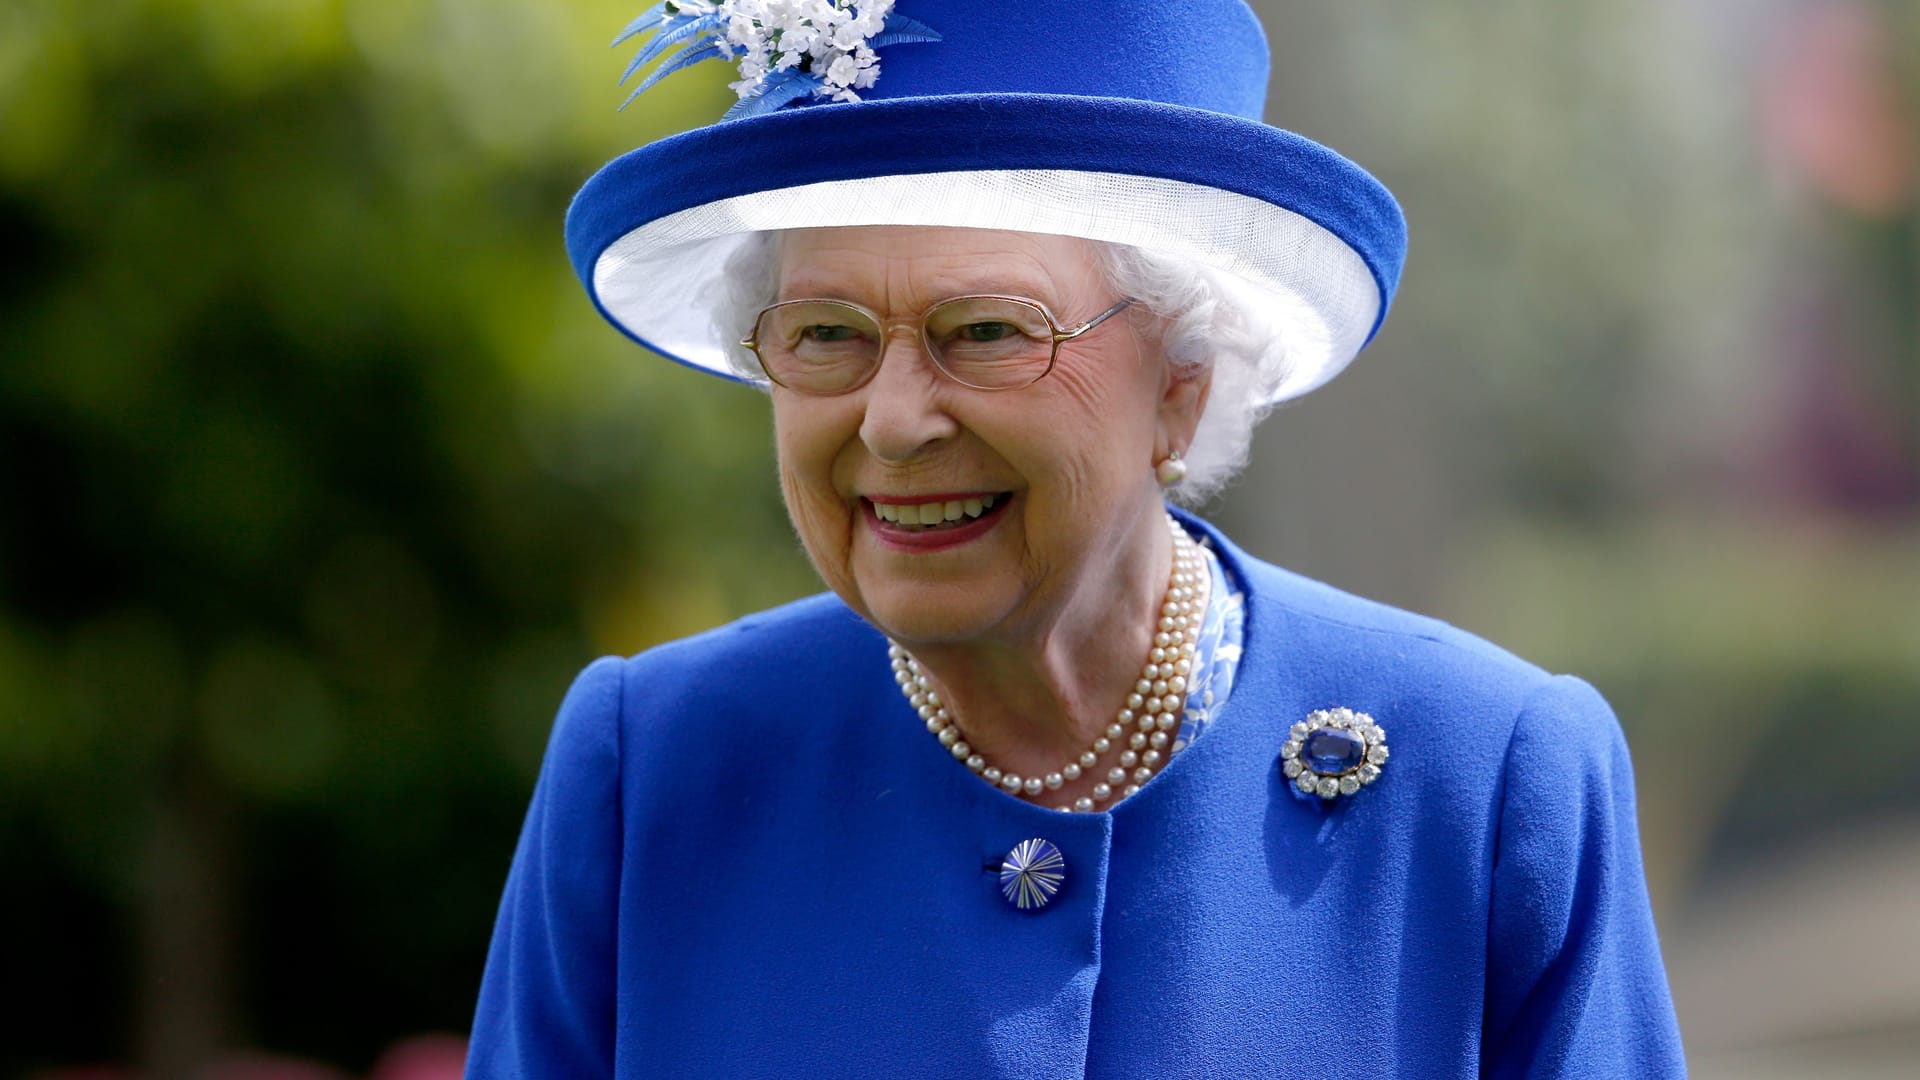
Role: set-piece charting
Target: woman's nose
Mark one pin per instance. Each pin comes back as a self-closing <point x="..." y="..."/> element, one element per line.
<point x="905" y="410"/>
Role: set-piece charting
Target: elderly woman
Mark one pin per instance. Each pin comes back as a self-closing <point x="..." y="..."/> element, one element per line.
<point x="1052" y="781"/>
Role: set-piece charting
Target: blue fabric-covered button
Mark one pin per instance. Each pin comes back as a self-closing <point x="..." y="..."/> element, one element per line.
<point x="1031" y="873"/>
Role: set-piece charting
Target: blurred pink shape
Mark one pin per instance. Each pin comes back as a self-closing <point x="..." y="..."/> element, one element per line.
<point x="423" y="1057"/>
<point x="1833" y="109"/>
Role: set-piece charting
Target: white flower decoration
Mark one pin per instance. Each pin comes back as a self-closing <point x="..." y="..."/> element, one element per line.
<point x="786" y="50"/>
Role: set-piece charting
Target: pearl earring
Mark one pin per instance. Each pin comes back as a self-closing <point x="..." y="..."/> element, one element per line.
<point x="1170" y="470"/>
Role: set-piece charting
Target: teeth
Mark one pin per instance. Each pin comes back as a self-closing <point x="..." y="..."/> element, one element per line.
<point x="933" y="513"/>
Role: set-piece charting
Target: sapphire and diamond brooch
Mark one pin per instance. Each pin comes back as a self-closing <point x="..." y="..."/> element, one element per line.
<point x="1334" y="752"/>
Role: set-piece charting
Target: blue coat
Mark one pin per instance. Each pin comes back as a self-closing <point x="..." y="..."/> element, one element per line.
<point x="746" y="857"/>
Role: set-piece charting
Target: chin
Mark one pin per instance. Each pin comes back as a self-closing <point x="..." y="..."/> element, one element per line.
<point x="943" y="613"/>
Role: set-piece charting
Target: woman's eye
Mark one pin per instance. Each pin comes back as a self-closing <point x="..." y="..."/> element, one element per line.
<point x="825" y="332"/>
<point x="988" y="331"/>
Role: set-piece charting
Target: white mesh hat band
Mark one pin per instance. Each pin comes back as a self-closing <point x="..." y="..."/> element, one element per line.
<point x="662" y="282"/>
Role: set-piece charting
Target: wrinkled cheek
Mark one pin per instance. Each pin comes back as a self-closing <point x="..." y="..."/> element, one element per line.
<point x="809" y="440"/>
<point x="821" y="520"/>
<point x="793" y="467"/>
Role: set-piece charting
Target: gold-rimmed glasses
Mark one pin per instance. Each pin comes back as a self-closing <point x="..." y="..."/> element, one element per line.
<point x="985" y="342"/>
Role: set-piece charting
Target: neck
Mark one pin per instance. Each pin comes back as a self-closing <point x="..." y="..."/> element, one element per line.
<point x="1030" y="701"/>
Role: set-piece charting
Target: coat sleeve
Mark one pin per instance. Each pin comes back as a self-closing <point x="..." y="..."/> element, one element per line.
<point x="1575" y="986"/>
<point x="547" y="1000"/>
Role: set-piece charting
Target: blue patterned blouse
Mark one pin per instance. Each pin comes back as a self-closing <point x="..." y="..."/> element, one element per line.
<point x="1216" y="654"/>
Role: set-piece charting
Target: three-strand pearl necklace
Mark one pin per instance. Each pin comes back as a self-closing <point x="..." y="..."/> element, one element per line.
<point x="1145" y="727"/>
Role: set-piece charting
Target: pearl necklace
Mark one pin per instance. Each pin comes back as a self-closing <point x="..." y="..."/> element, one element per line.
<point x="1154" y="708"/>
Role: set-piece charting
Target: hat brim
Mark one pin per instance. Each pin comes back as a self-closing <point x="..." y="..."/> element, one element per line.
<point x="1312" y="243"/>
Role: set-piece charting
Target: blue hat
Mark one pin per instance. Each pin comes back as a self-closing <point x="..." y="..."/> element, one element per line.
<point x="1127" y="121"/>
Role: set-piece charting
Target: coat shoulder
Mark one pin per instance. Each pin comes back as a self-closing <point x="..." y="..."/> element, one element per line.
<point x="1333" y="619"/>
<point x="1433" y="679"/>
<point x="753" y="672"/>
<point x="809" y="631"/>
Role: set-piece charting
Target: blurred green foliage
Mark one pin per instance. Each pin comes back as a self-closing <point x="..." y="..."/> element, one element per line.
<point x="318" y="479"/>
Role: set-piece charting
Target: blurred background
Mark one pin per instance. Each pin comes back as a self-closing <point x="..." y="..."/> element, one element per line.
<point x="320" y="478"/>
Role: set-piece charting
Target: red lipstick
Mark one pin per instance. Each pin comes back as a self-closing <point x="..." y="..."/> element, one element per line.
<point x="899" y="537"/>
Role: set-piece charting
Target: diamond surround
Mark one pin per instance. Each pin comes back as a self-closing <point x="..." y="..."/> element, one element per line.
<point x="1334" y="752"/>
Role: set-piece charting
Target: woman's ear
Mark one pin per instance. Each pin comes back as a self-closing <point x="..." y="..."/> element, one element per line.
<point x="1183" y="400"/>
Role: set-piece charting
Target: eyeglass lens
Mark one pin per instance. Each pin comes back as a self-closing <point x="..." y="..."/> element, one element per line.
<point x="824" y="346"/>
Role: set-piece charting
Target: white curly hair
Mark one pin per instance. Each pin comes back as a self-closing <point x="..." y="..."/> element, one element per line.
<point x="1207" y="324"/>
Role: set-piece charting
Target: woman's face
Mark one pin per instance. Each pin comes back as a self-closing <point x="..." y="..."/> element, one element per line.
<point x="1066" y="463"/>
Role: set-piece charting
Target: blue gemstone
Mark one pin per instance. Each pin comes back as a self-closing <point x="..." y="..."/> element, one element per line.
<point x="1332" y="751"/>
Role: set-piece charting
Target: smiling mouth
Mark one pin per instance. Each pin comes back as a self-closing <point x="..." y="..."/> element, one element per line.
<point x="938" y="514"/>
